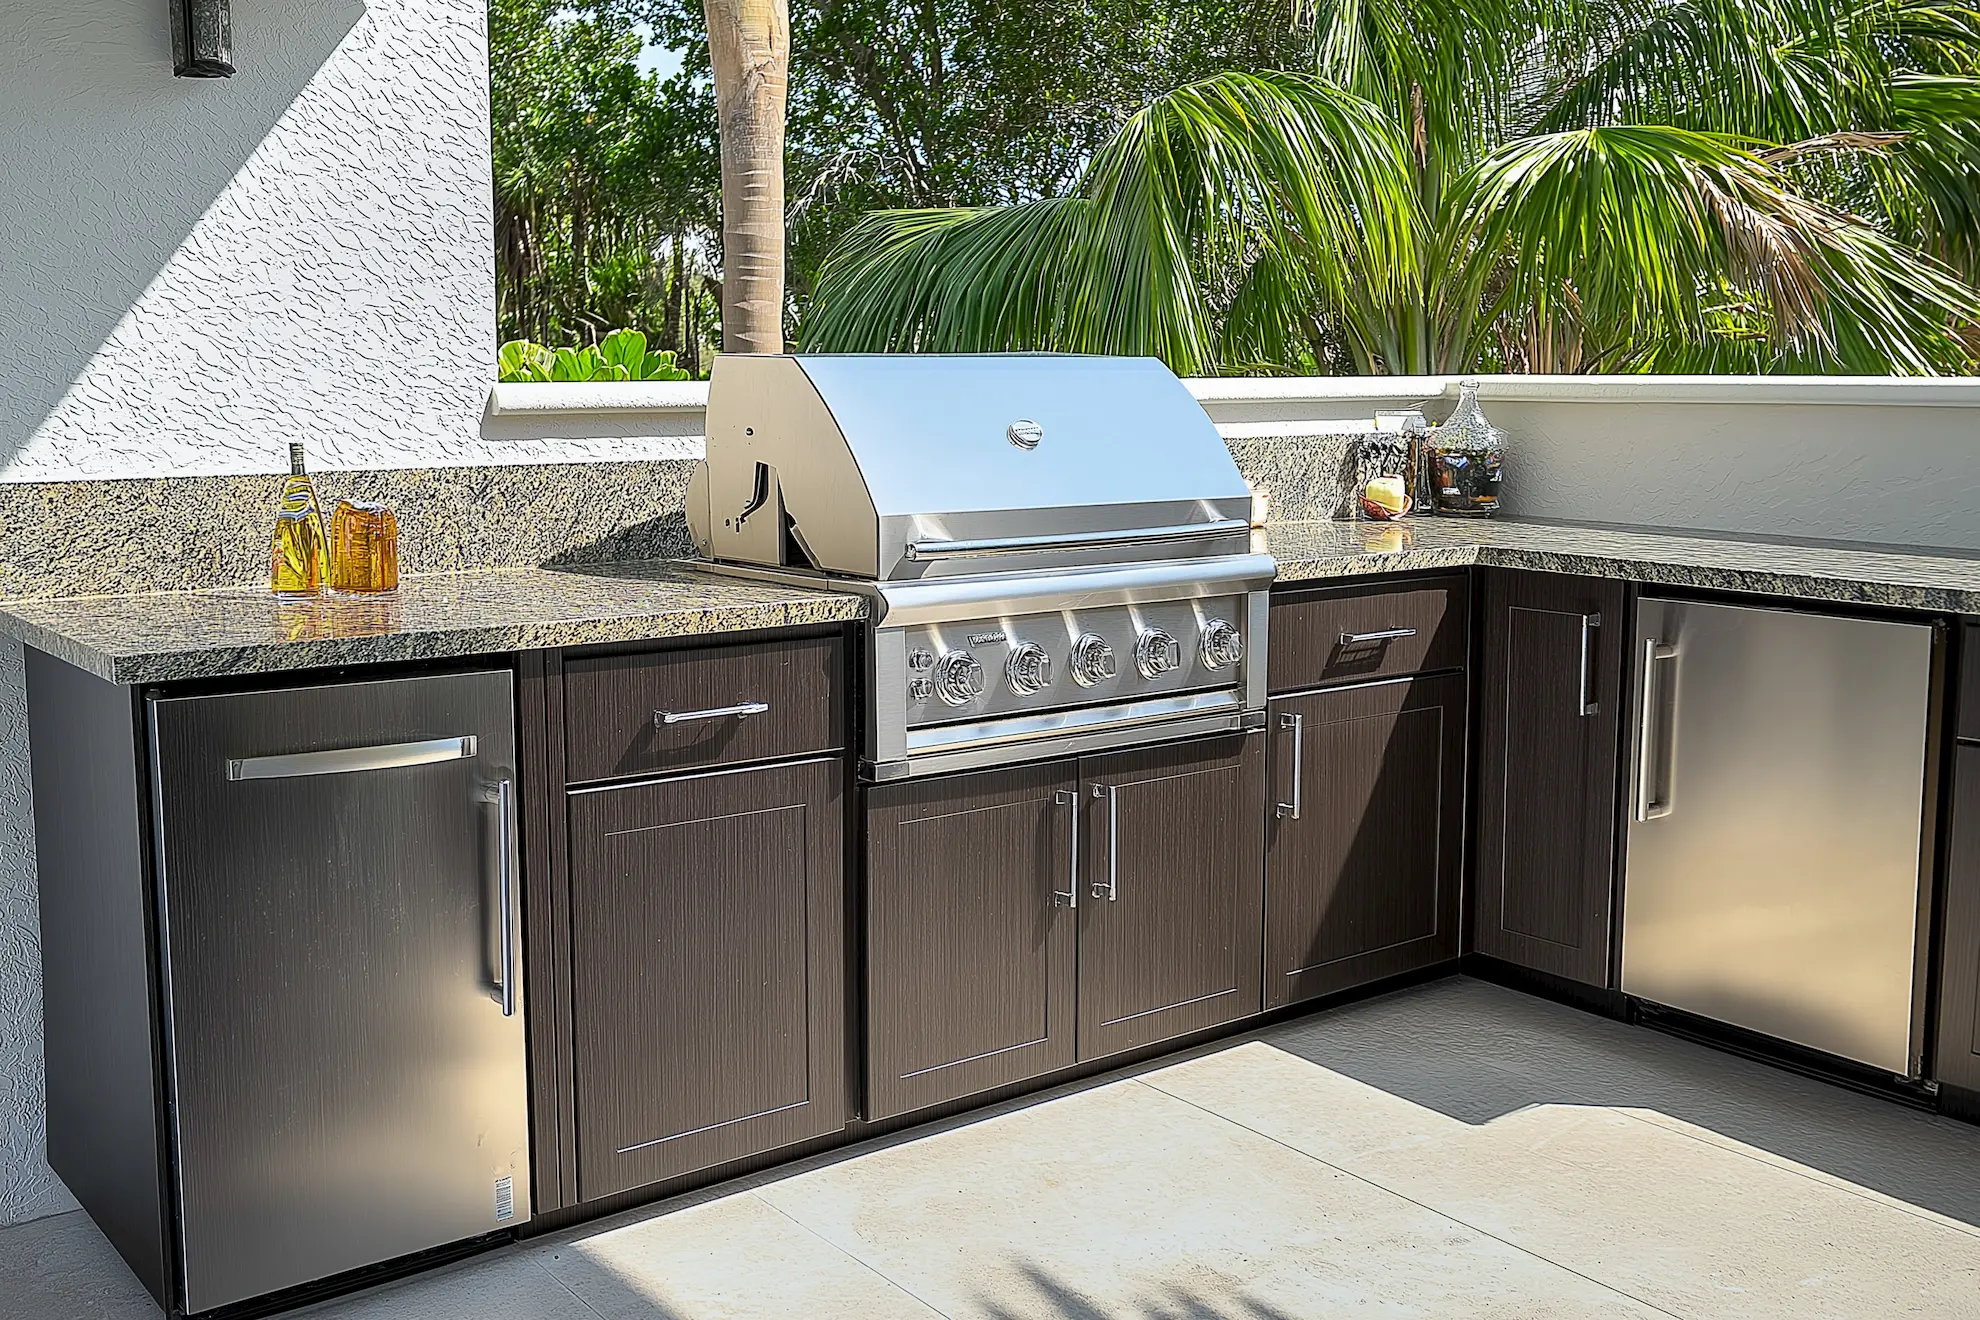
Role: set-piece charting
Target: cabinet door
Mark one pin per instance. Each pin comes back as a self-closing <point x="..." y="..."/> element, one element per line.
<point x="1172" y="884"/>
<point x="1365" y="832"/>
<point x="708" y="970"/>
<point x="1550" y="720"/>
<point x="969" y="938"/>
<point x="1957" y="1059"/>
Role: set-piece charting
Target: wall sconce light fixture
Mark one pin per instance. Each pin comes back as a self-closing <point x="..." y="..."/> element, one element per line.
<point x="202" y="39"/>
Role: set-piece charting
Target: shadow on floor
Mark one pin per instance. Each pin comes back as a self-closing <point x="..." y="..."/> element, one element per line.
<point x="1475" y="1051"/>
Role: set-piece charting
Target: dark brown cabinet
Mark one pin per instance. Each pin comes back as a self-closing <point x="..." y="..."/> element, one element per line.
<point x="707" y="964"/>
<point x="981" y="968"/>
<point x="1365" y="829"/>
<point x="1957" y="1059"/>
<point x="970" y="943"/>
<point x="1170" y="893"/>
<point x="1551" y="700"/>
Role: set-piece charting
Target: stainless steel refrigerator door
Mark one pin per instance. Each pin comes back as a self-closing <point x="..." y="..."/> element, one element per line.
<point x="1778" y="772"/>
<point x="339" y="912"/>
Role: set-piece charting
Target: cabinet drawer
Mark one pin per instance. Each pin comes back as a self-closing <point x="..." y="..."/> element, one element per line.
<point x="616" y="707"/>
<point x="1352" y="634"/>
<point x="1969" y="683"/>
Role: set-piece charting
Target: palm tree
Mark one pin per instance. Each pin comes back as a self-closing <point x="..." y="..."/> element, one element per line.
<point x="1524" y="185"/>
<point x="749" y="48"/>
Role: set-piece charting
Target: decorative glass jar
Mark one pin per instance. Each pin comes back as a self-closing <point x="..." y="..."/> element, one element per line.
<point x="1464" y="460"/>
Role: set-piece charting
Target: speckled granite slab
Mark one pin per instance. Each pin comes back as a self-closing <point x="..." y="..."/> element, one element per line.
<point x="1898" y="577"/>
<point x="163" y="636"/>
<point x="77" y="538"/>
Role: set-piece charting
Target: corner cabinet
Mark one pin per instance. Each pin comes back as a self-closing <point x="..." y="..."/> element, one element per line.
<point x="1366" y="832"/>
<point x="1551" y="695"/>
<point x="1364" y="823"/>
<point x="1019" y="921"/>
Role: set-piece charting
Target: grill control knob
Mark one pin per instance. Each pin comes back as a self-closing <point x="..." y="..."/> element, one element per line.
<point x="1223" y="644"/>
<point x="1156" y="653"/>
<point x="1092" y="660"/>
<point x="958" y="678"/>
<point x="1028" y="669"/>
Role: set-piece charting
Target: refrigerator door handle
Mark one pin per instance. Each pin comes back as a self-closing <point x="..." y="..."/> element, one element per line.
<point x="503" y="794"/>
<point x="1648" y="805"/>
<point x="349" y="760"/>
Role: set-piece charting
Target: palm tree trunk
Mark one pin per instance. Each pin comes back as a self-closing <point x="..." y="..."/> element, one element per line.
<point x="749" y="45"/>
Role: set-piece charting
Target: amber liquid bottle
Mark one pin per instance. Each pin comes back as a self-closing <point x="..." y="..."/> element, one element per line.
<point x="298" y="562"/>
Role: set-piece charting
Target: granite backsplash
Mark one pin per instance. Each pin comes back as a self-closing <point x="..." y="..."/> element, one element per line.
<point x="80" y="538"/>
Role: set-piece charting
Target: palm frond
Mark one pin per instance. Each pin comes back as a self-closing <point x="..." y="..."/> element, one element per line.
<point x="1644" y="226"/>
<point x="1187" y="195"/>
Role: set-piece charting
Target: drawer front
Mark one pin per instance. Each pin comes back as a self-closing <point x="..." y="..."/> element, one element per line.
<point x="1353" y="634"/>
<point x="616" y="707"/>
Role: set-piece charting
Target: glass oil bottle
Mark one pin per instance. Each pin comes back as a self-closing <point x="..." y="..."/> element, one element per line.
<point x="298" y="558"/>
<point x="364" y="547"/>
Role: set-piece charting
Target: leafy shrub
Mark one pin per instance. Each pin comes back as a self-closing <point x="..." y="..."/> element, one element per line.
<point x="621" y="355"/>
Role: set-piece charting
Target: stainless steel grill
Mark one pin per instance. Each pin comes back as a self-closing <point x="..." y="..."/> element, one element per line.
<point x="1058" y="548"/>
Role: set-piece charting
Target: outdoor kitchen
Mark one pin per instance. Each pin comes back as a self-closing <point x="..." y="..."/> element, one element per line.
<point x="712" y="823"/>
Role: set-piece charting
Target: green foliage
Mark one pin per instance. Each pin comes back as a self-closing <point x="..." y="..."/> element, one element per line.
<point x="606" y="181"/>
<point x="1548" y="185"/>
<point x="621" y="355"/>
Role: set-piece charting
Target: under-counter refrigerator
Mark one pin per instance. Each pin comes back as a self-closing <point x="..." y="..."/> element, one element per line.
<point x="340" y="963"/>
<point x="1778" y="824"/>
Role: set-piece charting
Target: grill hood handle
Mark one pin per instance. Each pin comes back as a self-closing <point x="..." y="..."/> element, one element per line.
<point x="920" y="551"/>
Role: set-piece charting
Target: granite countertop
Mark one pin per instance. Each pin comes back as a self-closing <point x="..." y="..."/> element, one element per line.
<point x="162" y="636"/>
<point x="1901" y="577"/>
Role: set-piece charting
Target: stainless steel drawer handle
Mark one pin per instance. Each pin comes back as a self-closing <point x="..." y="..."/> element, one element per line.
<point x="1111" y="890"/>
<point x="1589" y="623"/>
<point x="1648" y="807"/>
<point x="1067" y="797"/>
<point x="917" y="551"/>
<point x="350" y="760"/>
<point x="503" y="793"/>
<point x="741" y="710"/>
<point x="1296" y="726"/>
<point x="1385" y="635"/>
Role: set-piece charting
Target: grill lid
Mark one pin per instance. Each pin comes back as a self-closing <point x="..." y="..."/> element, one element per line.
<point x="911" y="466"/>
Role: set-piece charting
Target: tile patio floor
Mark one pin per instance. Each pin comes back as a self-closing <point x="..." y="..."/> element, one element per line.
<point x="1453" y="1150"/>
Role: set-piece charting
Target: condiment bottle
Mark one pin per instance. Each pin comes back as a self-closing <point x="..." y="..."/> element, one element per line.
<point x="364" y="547"/>
<point x="296" y="559"/>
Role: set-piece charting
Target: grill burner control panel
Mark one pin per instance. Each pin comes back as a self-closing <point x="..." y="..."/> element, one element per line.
<point x="975" y="668"/>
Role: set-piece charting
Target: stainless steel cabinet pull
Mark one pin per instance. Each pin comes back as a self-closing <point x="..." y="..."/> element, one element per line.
<point x="1111" y="891"/>
<point x="1647" y="806"/>
<point x="918" y="551"/>
<point x="1385" y="635"/>
<point x="347" y="760"/>
<point x="1067" y="797"/>
<point x="503" y="792"/>
<point x="1589" y="623"/>
<point x="741" y="710"/>
<point x="1295" y="725"/>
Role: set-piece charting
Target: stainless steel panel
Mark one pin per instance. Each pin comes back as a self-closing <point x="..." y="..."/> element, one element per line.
<point x="1773" y="858"/>
<point x="346" y="1086"/>
<point x="991" y="640"/>
<point x="845" y="460"/>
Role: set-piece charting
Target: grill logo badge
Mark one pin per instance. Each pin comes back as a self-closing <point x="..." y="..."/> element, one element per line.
<point x="986" y="639"/>
<point x="1024" y="434"/>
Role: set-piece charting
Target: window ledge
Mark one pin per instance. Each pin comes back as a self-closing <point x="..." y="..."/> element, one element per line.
<point x="518" y="399"/>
